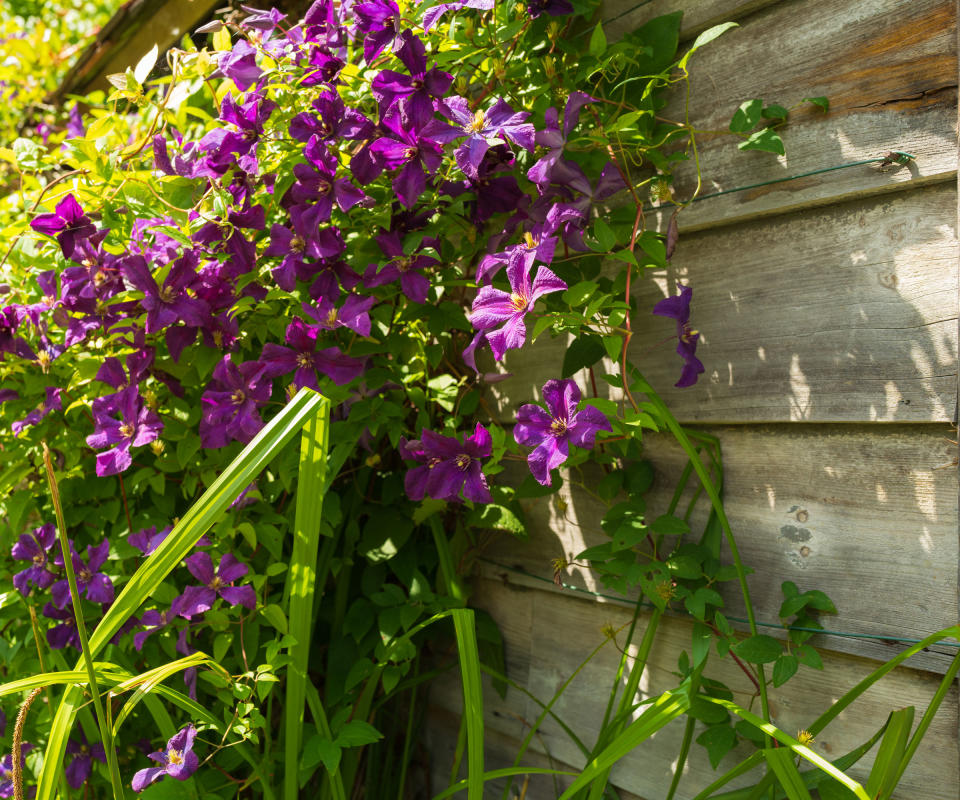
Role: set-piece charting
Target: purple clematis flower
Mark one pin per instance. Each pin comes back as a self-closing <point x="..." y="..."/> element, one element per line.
<point x="447" y="466"/>
<point x="353" y="314"/>
<point x="231" y="403"/>
<point x="678" y="308"/>
<point x="408" y="268"/>
<point x="65" y="634"/>
<point x="197" y="599"/>
<point x="433" y="15"/>
<point x="172" y="302"/>
<point x="52" y="402"/>
<point x="75" y="126"/>
<point x="493" y="307"/>
<point x="556" y="139"/>
<point x="550" y="432"/>
<point x="240" y="64"/>
<point x="79" y="768"/>
<point x="484" y="130"/>
<point x="68" y="223"/>
<point x="148" y="539"/>
<point x="138" y="425"/>
<point x="154" y="621"/>
<point x="414" y="93"/>
<point x="302" y="355"/>
<point x="378" y="20"/>
<point x="178" y="761"/>
<point x="413" y="150"/>
<point x="333" y="121"/>
<point x="90" y="581"/>
<point x="555" y="8"/>
<point x="35" y="548"/>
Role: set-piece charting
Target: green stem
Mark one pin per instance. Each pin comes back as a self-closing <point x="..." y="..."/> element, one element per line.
<point x="448" y="572"/>
<point x="684" y="440"/>
<point x="106" y="734"/>
<point x="627" y="698"/>
<point x="682" y="758"/>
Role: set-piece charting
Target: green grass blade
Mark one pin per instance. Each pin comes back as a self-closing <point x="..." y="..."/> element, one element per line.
<point x="146" y="683"/>
<point x="886" y="767"/>
<point x="665" y="709"/>
<point x="463" y="623"/>
<point x="751" y="762"/>
<point x="506" y="772"/>
<point x="953" y="632"/>
<point x="198" y="520"/>
<point x="780" y="760"/>
<point x="205" y="512"/>
<point x="311" y="484"/>
<point x="928" y="715"/>
<point x="803" y="751"/>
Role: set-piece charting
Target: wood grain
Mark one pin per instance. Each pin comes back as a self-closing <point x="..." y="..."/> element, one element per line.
<point x="840" y="314"/>
<point x="866" y="516"/>
<point x="623" y="16"/>
<point x="889" y="70"/>
<point x="563" y="632"/>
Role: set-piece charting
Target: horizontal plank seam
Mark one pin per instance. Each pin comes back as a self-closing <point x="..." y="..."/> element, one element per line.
<point x="922" y="181"/>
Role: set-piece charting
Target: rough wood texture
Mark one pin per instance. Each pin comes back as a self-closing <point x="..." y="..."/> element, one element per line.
<point x="889" y="70"/>
<point x="864" y="516"/>
<point x="840" y="314"/>
<point x="548" y="636"/>
<point x="623" y="16"/>
<point x="131" y="32"/>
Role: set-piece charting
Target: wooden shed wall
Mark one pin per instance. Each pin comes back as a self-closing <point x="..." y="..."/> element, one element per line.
<point x="828" y="311"/>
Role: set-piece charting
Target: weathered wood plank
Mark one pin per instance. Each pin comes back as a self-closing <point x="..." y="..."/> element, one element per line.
<point x="622" y="16"/>
<point x="888" y="68"/>
<point x="565" y="630"/>
<point x="841" y="314"/>
<point x="863" y="515"/>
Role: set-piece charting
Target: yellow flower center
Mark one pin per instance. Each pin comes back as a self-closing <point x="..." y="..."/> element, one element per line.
<point x="304" y="361"/>
<point x="297" y="244"/>
<point x="558" y="427"/>
<point x="238" y="397"/>
<point x="218" y="338"/>
<point x="127" y="430"/>
<point x="479" y="120"/>
<point x="43" y="359"/>
<point x="174" y="757"/>
<point x="167" y="294"/>
<point x="518" y="301"/>
<point x="688" y="333"/>
<point x="332" y="317"/>
<point x="463" y="461"/>
<point x="530" y="242"/>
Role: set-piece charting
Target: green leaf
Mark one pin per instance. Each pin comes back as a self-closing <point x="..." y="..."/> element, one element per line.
<point x="598" y="41"/>
<point x="820" y="102"/>
<point x="746" y="116"/>
<point x="497" y="517"/>
<point x="604" y="234"/>
<point x="142" y="71"/>
<point x="775" y="111"/>
<point x="657" y="43"/>
<point x="275" y="617"/>
<point x="705" y="38"/>
<point x="684" y="567"/>
<point x="614" y="347"/>
<point x="766" y="139"/>
<point x="585" y="351"/>
<point x="319" y="749"/>
<point x="718" y="741"/>
<point x="357" y="733"/>
<point x="667" y="525"/>
<point x="784" y="669"/>
<point x="759" y="649"/>
<point x="577" y="294"/>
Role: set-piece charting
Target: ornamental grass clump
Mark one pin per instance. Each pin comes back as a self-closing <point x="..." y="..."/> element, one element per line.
<point x="337" y="228"/>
